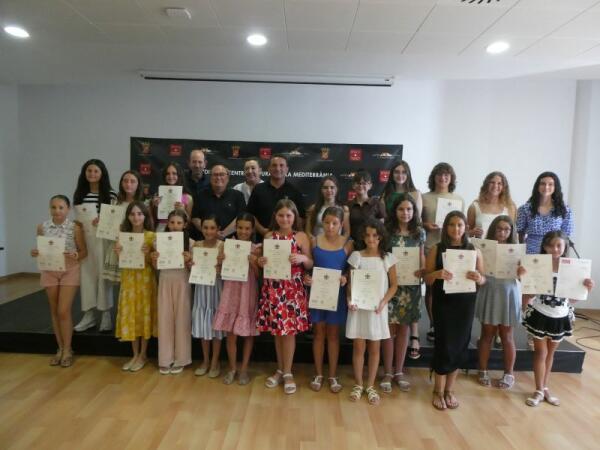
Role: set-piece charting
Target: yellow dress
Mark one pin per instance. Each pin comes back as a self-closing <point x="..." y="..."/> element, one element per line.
<point x="137" y="301"/>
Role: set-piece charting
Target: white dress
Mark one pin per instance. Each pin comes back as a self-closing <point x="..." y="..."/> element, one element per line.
<point x="363" y="324"/>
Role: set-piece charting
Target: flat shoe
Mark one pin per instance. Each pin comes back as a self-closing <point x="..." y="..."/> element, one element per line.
<point x="317" y="383"/>
<point x="67" y="359"/>
<point x="200" y="371"/>
<point x="554" y="401"/>
<point x="214" y="373"/>
<point x="127" y="366"/>
<point x="334" y="385"/>
<point x="274" y="380"/>
<point x="164" y="370"/>
<point x="229" y="377"/>
<point x="137" y="366"/>
<point x="289" y="387"/>
<point x="55" y="360"/>
<point x="176" y="369"/>
<point x="386" y="383"/>
<point x="243" y="379"/>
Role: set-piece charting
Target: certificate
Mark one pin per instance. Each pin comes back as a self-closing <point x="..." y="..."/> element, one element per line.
<point x="278" y="253"/>
<point x="487" y="247"/>
<point x="131" y="255"/>
<point x="508" y="257"/>
<point x="325" y="289"/>
<point x="409" y="261"/>
<point x="235" y="265"/>
<point x="444" y="206"/>
<point x="85" y="214"/>
<point x="459" y="262"/>
<point x="170" y="250"/>
<point x="365" y="288"/>
<point x="109" y="221"/>
<point x="204" y="270"/>
<point x="51" y="253"/>
<point x="169" y="195"/>
<point x="571" y="274"/>
<point x="538" y="279"/>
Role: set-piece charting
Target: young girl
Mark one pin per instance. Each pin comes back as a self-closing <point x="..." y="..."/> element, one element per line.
<point x="361" y="207"/>
<point x="327" y="196"/>
<point x="136" y="317"/>
<point x="236" y="314"/>
<point x="367" y="328"/>
<point x="283" y="306"/>
<point x="174" y="316"/>
<point x="93" y="188"/>
<point x="498" y="308"/>
<point x="404" y="227"/>
<point x="172" y="175"/>
<point x="400" y="181"/>
<point x="452" y="313"/>
<point x="548" y="319"/>
<point x="330" y="250"/>
<point x="61" y="287"/>
<point x="206" y="302"/>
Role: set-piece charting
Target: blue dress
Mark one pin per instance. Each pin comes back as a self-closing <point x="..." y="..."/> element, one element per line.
<point x="536" y="226"/>
<point x="331" y="259"/>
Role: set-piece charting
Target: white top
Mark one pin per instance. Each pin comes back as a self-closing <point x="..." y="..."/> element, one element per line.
<point x="245" y="189"/>
<point x="555" y="312"/>
<point x="483" y="220"/>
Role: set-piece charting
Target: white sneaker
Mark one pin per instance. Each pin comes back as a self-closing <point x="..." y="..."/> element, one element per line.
<point x="106" y="321"/>
<point x="87" y="322"/>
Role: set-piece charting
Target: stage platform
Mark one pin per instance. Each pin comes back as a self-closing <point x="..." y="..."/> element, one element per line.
<point x="25" y="327"/>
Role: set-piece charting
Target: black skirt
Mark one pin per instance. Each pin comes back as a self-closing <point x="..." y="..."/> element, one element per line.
<point x="541" y="326"/>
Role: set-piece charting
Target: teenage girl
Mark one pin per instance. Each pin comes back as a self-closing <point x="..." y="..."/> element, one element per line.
<point x="61" y="287"/>
<point x="172" y="175"/>
<point x="327" y="196"/>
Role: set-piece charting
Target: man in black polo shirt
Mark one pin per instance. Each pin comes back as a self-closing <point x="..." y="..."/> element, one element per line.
<point x="266" y="195"/>
<point x="196" y="181"/>
<point x="219" y="200"/>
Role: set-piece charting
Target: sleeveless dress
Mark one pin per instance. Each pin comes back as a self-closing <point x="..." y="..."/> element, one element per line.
<point x="206" y="302"/>
<point x="483" y="220"/>
<point x="499" y="302"/>
<point x="452" y="320"/>
<point x="331" y="259"/>
<point x="283" y="305"/>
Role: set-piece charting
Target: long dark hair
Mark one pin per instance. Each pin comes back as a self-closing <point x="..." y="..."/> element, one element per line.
<point x="148" y="225"/>
<point x="445" y="239"/>
<point x="321" y="200"/>
<point x="390" y="187"/>
<point x="83" y="185"/>
<point x="558" y="203"/>
<point x="247" y="217"/>
<point x="138" y="195"/>
<point x="491" y="232"/>
<point x="438" y="169"/>
<point x="186" y="235"/>
<point x="376" y="224"/>
<point x="180" y="176"/>
<point x="553" y="235"/>
<point x="393" y="224"/>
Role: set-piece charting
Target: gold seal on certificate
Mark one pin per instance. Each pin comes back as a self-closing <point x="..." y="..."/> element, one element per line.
<point x="109" y="221"/>
<point x="409" y="261"/>
<point x="365" y="286"/>
<point x="487" y="247"/>
<point x="325" y="289"/>
<point x="538" y="276"/>
<point x="235" y="265"/>
<point x="131" y="255"/>
<point x="85" y="214"/>
<point x="51" y="253"/>
<point x="444" y="206"/>
<point x="169" y="195"/>
<point x="278" y="253"/>
<point x="571" y="274"/>
<point x="204" y="270"/>
<point x="507" y="260"/>
<point x="169" y="246"/>
<point x="458" y="263"/>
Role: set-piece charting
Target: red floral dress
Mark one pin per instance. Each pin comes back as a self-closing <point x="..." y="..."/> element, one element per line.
<point x="282" y="305"/>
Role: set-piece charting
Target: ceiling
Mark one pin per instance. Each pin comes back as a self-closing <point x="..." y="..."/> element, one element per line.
<point x="79" y="41"/>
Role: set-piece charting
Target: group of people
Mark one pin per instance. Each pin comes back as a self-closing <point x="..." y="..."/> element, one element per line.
<point x="330" y="234"/>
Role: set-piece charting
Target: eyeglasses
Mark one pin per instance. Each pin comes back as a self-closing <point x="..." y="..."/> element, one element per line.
<point x="219" y="174"/>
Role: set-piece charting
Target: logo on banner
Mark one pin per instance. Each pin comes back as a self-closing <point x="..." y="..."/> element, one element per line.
<point x="347" y="175"/>
<point x="264" y="152"/>
<point x="355" y="154"/>
<point x="384" y="155"/>
<point x="351" y="195"/>
<point x="384" y="176"/>
<point x="295" y="153"/>
<point x="235" y="151"/>
<point x="175" y="150"/>
<point x="146" y="189"/>
<point x="145" y="169"/>
<point x="325" y="153"/>
<point x="145" y="148"/>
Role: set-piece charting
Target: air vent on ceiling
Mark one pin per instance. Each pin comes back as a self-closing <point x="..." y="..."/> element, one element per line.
<point x="479" y="2"/>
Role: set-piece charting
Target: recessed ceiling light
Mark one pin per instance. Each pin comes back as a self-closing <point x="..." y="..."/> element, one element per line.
<point x="497" y="47"/>
<point x="16" y="31"/>
<point x="256" y="39"/>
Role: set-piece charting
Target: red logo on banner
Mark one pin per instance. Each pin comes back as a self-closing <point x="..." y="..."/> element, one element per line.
<point x="384" y="176"/>
<point x="175" y="150"/>
<point x="264" y="153"/>
<point x="145" y="169"/>
<point x="351" y="195"/>
<point x="355" y="154"/>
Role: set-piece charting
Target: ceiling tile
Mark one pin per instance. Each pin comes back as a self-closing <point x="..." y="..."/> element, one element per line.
<point x="378" y="42"/>
<point x="573" y="5"/>
<point x="437" y="44"/>
<point x="222" y="37"/>
<point x="461" y="19"/>
<point x="249" y="13"/>
<point x="110" y="11"/>
<point x="49" y="11"/>
<point x="314" y="15"/>
<point x="531" y="22"/>
<point x="133" y="34"/>
<point x="559" y="48"/>
<point x="202" y="13"/>
<point x="317" y="40"/>
<point x="587" y="25"/>
<point x="398" y="17"/>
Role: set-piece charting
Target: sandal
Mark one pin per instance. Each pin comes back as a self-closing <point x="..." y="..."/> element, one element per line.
<point x="356" y="393"/>
<point x="317" y="383"/>
<point x="554" y="401"/>
<point x="334" y="385"/>
<point x="450" y="399"/>
<point x="402" y="383"/>
<point x="289" y="387"/>
<point x="535" y="399"/>
<point x="67" y="358"/>
<point x="243" y="379"/>
<point x="373" y="396"/>
<point x="386" y="383"/>
<point x="414" y="352"/>
<point x="55" y="360"/>
<point x="274" y="380"/>
<point x="229" y="377"/>
<point x="438" y="401"/>
<point x="507" y="381"/>
<point x="484" y="378"/>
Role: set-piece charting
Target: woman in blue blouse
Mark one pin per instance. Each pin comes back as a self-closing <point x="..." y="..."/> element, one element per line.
<point x="544" y="211"/>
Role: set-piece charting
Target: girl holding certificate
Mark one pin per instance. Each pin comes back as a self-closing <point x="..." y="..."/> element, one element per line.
<point x="330" y="251"/>
<point x="172" y="175"/>
<point x="400" y="182"/>
<point x="283" y="305"/>
<point x="136" y="317"/>
<point x="61" y="287"/>
<point x="494" y="200"/>
<point x="367" y="327"/>
<point x="549" y="319"/>
<point x="498" y="309"/>
<point x="404" y="227"/>
<point x="327" y="197"/>
<point x="452" y="313"/>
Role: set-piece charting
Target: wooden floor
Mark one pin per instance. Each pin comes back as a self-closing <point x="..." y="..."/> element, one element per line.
<point x="95" y="405"/>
